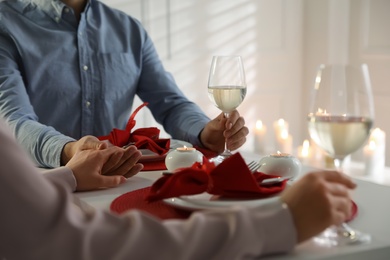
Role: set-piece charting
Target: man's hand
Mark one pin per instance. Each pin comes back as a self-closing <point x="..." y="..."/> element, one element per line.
<point x="121" y="162"/>
<point x="319" y="200"/>
<point x="85" y="143"/>
<point x="232" y="129"/>
<point x="88" y="165"/>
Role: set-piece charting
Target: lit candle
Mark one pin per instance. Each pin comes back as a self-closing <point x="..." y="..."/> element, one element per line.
<point x="379" y="137"/>
<point x="279" y="127"/>
<point x="284" y="143"/>
<point x="374" y="154"/>
<point x="259" y="140"/>
<point x="304" y="152"/>
<point x="370" y="164"/>
<point x="182" y="157"/>
<point x="280" y="164"/>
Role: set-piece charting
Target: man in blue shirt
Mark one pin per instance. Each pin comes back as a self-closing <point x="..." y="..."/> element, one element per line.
<point x="69" y="71"/>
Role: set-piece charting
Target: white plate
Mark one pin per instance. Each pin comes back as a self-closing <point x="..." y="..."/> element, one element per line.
<point x="148" y="155"/>
<point x="204" y="201"/>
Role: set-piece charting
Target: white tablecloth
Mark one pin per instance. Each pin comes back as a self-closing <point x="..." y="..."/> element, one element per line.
<point x="372" y="198"/>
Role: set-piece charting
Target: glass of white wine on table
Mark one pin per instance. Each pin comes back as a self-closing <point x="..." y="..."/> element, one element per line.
<point x="226" y="88"/>
<point x="340" y="120"/>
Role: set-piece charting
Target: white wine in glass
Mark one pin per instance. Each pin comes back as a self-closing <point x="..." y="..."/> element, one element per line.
<point x="340" y="120"/>
<point x="226" y="88"/>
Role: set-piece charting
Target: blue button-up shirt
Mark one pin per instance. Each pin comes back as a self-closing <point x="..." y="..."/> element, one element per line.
<point x="61" y="79"/>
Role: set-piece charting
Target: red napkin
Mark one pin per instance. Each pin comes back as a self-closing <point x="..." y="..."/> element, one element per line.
<point x="232" y="178"/>
<point x="354" y="212"/>
<point x="143" y="138"/>
<point x="136" y="200"/>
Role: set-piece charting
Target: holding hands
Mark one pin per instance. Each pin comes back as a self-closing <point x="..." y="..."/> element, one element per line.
<point x="104" y="168"/>
<point x="96" y="164"/>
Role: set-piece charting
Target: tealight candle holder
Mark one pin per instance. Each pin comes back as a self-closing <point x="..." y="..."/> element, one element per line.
<point x="182" y="157"/>
<point x="280" y="164"/>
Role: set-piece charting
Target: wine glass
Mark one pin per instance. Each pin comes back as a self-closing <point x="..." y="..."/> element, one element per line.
<point x="340" y="120"/>
<point x="226" y="88"/>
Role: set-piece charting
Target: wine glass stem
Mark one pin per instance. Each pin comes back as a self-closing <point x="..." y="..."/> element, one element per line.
<point x="226" y="151"/>
<point x="338" y="163"/>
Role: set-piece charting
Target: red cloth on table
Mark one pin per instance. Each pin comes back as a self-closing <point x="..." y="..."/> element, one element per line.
<point x="143" y="138"/>
<point x="232" y="178"/>
<point x="154" y="165"/>
<point x="136" y="200"/>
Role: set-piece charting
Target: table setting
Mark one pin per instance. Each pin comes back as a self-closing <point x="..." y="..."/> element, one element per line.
<point x="132" y="195"/>
<point x="203" y="186"/>
<point x="179" y="179"/>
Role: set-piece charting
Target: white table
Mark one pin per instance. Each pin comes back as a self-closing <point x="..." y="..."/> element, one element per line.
<point x="373" y="214"/>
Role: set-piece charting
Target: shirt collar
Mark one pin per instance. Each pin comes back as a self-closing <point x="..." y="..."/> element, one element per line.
<point x="54" y="8"/>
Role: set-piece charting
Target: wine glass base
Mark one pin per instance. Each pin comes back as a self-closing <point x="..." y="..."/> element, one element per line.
<point x="340" y="236"/>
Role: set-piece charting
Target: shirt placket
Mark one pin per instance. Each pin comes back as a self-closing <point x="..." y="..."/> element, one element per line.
<point x="85" y="77"/>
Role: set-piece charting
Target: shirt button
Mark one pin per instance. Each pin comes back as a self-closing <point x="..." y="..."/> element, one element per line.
<point x="88" y="104"/>
<point x="80" y="34"/>
<point x="85" y="67"/>
<point x="66" y="10"/>
<point x="58" y="19"/>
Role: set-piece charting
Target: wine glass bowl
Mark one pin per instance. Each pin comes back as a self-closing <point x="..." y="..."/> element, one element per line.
<point x="226" y="88"/>
<point x="340" y="120"/>
<point x="226" y="98"/>
<point x="341" y="111"/>
<point x="339" y="136"/>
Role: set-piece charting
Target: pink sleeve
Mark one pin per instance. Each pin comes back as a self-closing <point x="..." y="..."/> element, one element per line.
<point x="39" y="220"/>
<point x="62" y="174"/>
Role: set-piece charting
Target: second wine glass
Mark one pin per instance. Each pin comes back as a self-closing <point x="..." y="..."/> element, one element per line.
<point x="340" y="121"/>
<point x="226" y="88"/>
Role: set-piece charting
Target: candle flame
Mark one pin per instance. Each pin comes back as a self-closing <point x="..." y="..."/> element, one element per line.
<point x="377" y="133"/>
<point x="259" y="124"/>
<point x="280" y="154"/>
<point x="321" y="112"/>
<point x="281" y="122"/>
<point x="284" y="134"/>
<point x="318" y="79"/>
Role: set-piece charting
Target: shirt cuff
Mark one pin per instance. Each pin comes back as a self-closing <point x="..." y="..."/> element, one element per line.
<point x="196" y="129"/>
<point x="63" y="175"/>
<point x="58" y="152"/>
<point x="281" y="233"/>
